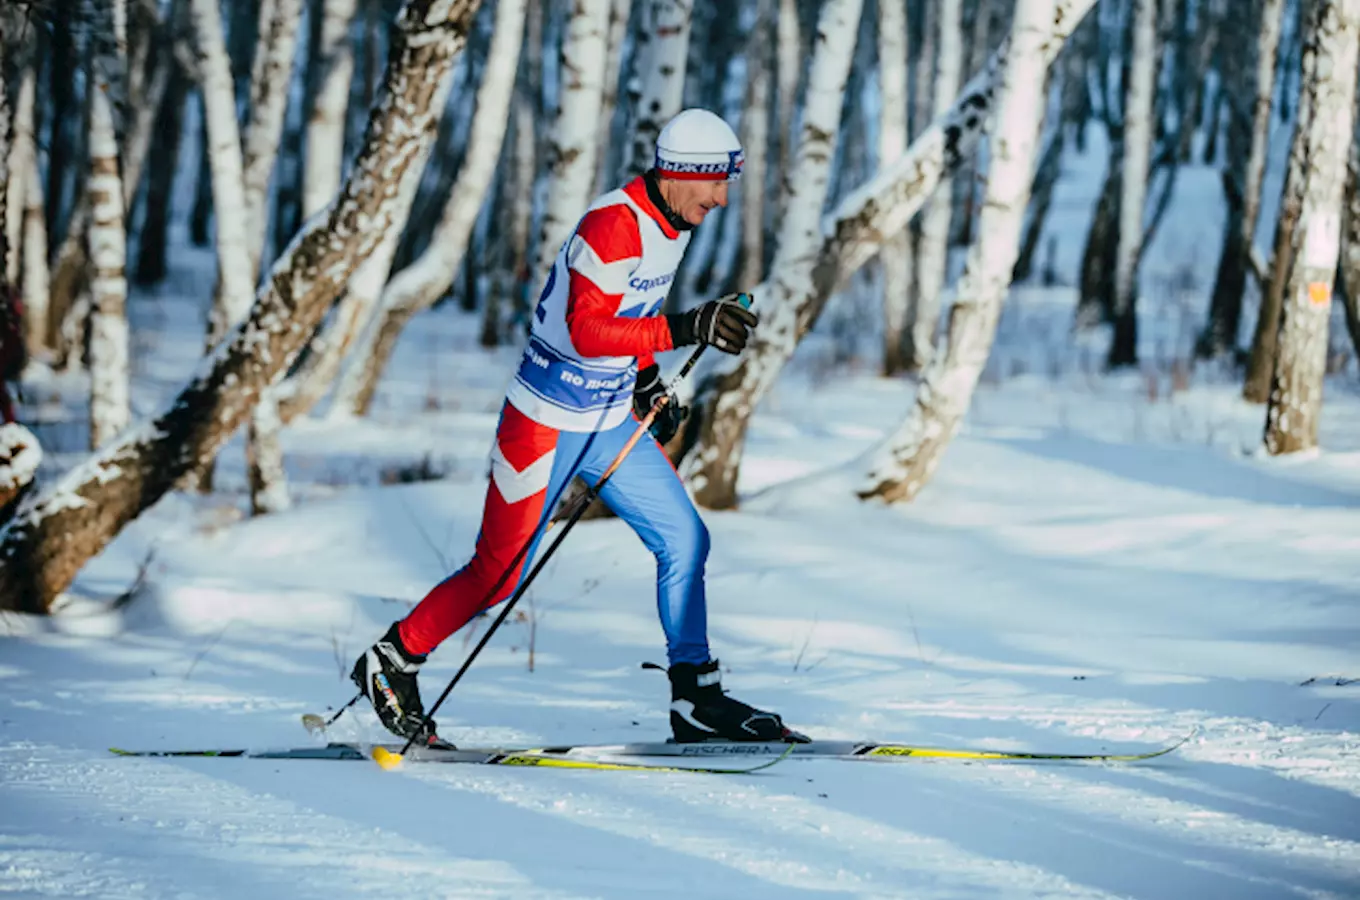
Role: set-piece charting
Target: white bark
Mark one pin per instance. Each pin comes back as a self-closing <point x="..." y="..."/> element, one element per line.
<point x="235" y="274"/>
<point x="419" y="285"/>
<point x="789" y="53"/>
<point x="1267" y="53"/>
<point x="110" y="403"/>
<point x="908" y="458"/>
<point x="36" y="288"/>
<point x="893" y="92"/>
<point x="270" y="77"/>
<point x="755" y="140"/>
<point x="55" y="532"/>
<point x="1138" y="138"/>
<point x="269" y="81"/>
<point x="932" y="260"/>
<point x="661" y="52"/>
<point x="1320" y="153"/>
<point x="572" y="147"/>
<point x="799" y="230"/>
<point x="325" y="139"/>
<point x="618" y="33"/>
<point x="851" y="234"/>
<point x="22" y="151"/>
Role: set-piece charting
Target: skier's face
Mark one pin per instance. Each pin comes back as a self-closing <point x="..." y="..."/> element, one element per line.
<point x="692" y="200"/>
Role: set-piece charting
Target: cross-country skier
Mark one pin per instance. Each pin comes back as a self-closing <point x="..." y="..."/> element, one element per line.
<point x="586" y="378"/>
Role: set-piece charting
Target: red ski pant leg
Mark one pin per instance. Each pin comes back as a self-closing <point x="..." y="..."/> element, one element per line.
<point x="516" y="497"/>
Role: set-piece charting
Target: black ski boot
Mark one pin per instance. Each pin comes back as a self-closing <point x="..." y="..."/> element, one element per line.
<point x="386" y="674"/>
<point x="700" y="711"/>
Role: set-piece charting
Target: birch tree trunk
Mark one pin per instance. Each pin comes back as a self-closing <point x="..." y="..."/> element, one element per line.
<point x="572" y="149"/>
<point x="851" y="235"/>
<point x="789" y="66"/>
<point x="6" y="121"/>
<point x="932" y="260"/>
<point x="1248" y="146"/>
<point x="755" y="140"/>
<point x="417" y="287"/>
<point x="795" y="253"/>
<point x="1138" y="138"/>
<point x="661" y="54"/>
<point x="618" y="34"/>
<point x="235" y="273"/>
<point x="35" y="274"/>
<point x="1321" y="151"/>
<point x="1350" y="249"/>
<point x="110" y="403"/>
<point x="271" y="75"/>
<point x="896" y="260"/>
<point x="325" y="140"/>
<point x="22" y="152"/>
<point x="907" y="460"/>
<point x="57" y="531"/>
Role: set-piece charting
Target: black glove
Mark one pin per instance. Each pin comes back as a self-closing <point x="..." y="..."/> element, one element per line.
<point x="724" y="323"/>
<point x="650" y="388"/>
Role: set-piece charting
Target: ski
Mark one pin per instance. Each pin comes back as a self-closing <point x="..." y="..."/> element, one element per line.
<point x="863" y="750"/>
<point x="388" y="756"/>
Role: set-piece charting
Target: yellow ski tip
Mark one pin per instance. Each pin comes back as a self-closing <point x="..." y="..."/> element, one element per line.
<point x="386" y="758"/>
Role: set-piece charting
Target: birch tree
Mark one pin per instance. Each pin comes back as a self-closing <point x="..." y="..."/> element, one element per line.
<point x="1133" y="182"/>
<point x="789" y="68"/>
<point x="35" y="273"/>
<point x="235" y="281"/>
<point x="1253" y="59"/>
<point x="850" y="236"/>
<point x="1350" y="249"/>
<point x="56" y="531"/>
<point x="907" y="460"/>
<point x="417" y="287"/>
<point x="110" y="403"/>
<point x="755" y="140"/>
<point x="932" y="260"/>
<point x="7" y="27"/>
<point x="798" y="240"/>
<point x="617" y="36"/>
<point x="661" y="54"/>
<point x="572" y="145"/>
<point x="1319" y="153"/>
<point x="22" y="151"/>
<point x="325" y="138"/>
<point x="898" y="256"/>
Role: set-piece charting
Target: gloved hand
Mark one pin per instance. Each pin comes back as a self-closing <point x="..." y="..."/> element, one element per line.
<point x="650" y="388"/>
<point x="723" y="323"/>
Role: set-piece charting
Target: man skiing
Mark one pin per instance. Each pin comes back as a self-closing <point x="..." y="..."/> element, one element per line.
<point x="586" y="378"/>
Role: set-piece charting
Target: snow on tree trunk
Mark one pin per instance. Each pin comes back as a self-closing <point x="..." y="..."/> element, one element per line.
<point x="235" y="274"/>
<point x="932" y="255"/>
<point x="35" y="284"/>
<point x="264" y="459"/>
<point x="755" y="140"/>
<point x="20" y="456"/>
<point x="892" y="143"/>
<point x="1251" y="62"/>
<point x="572" y="145"/>
<point x="417" y="287"/>
<point x="1138" y="138"/>
<point x="712" y="472"/>
<point x="851" y="235"/>
<point x="618" y="33"/>
<point x="788" y="69"/>
<point x="905" y="462"/>
<point x="1321" y="150"/>
<point x="56" y="532"/>
<point x="325" y="141"/>
<point x="661" y="53"/>
<point x="110" y="404"/>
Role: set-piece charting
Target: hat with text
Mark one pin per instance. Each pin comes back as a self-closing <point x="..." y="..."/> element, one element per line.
<point x="697" y="145"/>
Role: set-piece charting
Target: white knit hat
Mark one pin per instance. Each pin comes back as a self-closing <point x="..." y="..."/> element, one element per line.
<point x="696" y="145"/>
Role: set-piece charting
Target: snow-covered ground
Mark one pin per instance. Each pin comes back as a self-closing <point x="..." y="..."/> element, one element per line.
<point x="1101" y="563"/>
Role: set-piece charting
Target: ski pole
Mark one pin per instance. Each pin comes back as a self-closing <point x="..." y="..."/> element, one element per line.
<point x="577" y="509"/>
